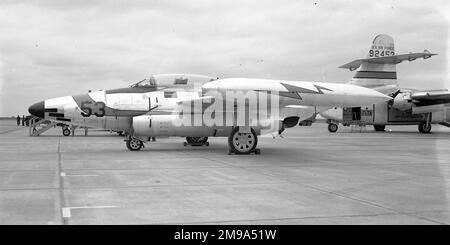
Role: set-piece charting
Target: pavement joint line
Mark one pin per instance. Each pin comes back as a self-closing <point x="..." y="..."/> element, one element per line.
<point x="63" y="174"/>
<point x="66" y="211"/>
<point x="29" y="189"/>
<point x="178" y="185"/>
<point x="291" y="218"/>
<point x="11" y="130"/>
<point x="61" y="202"/>
<point x="27" y="170"/>
<point x="352" y="197"/>
<point x="220" y="162"/>
<point x="348" y="196"/>
<point x="139" y="169"/>
<point x="81" y="175"/>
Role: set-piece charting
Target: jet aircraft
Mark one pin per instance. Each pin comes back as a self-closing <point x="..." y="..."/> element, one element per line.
<point x="198" y="107"/>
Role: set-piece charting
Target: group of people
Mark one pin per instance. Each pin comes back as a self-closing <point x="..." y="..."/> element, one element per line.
<point x="23" y="120"/>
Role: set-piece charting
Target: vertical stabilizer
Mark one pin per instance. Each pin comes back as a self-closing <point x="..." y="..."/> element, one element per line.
<point x="381" y="76"/>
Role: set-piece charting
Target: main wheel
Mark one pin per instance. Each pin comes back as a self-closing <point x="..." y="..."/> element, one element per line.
<point x="424" y="128"/>
<point x="66" y="131"/>
<point x="134" y="144"/>
<point x="379" y="127"/>
<point x="197" y="140"/>
<point x="242" y="143"/>
<point x="332" y="127"/>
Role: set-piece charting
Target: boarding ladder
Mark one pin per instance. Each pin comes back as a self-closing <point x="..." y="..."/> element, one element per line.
<point x="37" y="127"/>
<point x="358" y="126"/>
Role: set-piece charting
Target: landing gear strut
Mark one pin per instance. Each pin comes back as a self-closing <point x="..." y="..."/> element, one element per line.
<point x="425" y="128"/>
<point x="196" y="141"/>
<point x="242" y="143"/>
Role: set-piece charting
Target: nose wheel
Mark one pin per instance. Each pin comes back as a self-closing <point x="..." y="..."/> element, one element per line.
<point x="66" y="131"/>
<point x="242" y="143"/>
<point x="134" y="144"/>
<point x="332" y="128"/>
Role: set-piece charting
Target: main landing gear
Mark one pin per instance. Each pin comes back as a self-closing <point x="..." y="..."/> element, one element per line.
<point x="242" y="142"/>
<point x="196" y="141"/>
<point x="425" y="128"/>
<point x="134" y="144"/>
<point x="332" y="127"/>
<point x="379" y="128"/>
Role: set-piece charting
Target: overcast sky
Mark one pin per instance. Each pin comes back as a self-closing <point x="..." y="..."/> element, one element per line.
<point x="64" y="47"/>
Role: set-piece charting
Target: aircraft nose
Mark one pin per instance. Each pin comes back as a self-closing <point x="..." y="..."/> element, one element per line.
<point x="37" y="109"/>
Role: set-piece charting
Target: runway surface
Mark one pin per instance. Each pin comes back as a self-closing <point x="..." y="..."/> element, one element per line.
<point x="309" y="177"/>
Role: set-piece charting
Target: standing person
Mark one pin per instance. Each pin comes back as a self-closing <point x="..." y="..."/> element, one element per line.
<point x="18" y="120"/>
<point x="23" y="120"/>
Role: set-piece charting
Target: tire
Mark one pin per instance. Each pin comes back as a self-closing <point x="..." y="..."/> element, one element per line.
<point x="197" y="140"/>
<point x="424" y="128"/>
<point x="242" y="143"/>
<point x="332" y="128"/>
<point x="379" y="128"/>
<point x="66" y="132"/>
<point x="134" y="144"/>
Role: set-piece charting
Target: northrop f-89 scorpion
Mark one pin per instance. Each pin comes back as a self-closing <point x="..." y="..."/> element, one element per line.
<point x="198" y="107"/>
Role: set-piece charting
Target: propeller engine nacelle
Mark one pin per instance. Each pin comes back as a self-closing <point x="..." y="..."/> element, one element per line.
<point x="402" y="102"/>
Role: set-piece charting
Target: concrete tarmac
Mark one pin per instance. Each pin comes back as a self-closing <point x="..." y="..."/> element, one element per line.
<point x="310" y="176"/>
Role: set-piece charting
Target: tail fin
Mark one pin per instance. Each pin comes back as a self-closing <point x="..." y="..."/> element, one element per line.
<point x="378" y="76"/>
<point x="378" y="69"/>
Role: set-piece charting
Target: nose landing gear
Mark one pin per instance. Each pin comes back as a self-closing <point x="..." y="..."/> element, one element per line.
<point x="66" y="131"/>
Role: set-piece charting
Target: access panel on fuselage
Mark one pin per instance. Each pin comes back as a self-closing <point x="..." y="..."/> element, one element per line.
<point x="398" y="116"/>
<point x="367" y="114"/>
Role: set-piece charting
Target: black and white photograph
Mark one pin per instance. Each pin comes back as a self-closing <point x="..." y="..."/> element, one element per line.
<point x="224" y="112"/>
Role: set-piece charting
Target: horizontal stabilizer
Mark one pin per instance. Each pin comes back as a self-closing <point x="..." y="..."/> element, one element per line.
<point x="394" y="59"/>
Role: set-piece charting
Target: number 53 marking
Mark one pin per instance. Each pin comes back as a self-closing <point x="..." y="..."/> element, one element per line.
<point x="88" y="108"/>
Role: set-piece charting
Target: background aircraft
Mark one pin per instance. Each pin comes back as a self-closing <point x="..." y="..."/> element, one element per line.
<point x="407" y="107"/>
<point x="146" y="110"/>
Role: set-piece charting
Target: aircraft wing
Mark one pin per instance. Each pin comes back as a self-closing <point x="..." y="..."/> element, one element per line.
<point x="394" y="59"/>
<point x="432" y="97"/>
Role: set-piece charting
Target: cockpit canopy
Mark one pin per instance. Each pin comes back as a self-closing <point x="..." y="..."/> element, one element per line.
<point x="183" y="81"/>
<point x="148" y="82"/>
